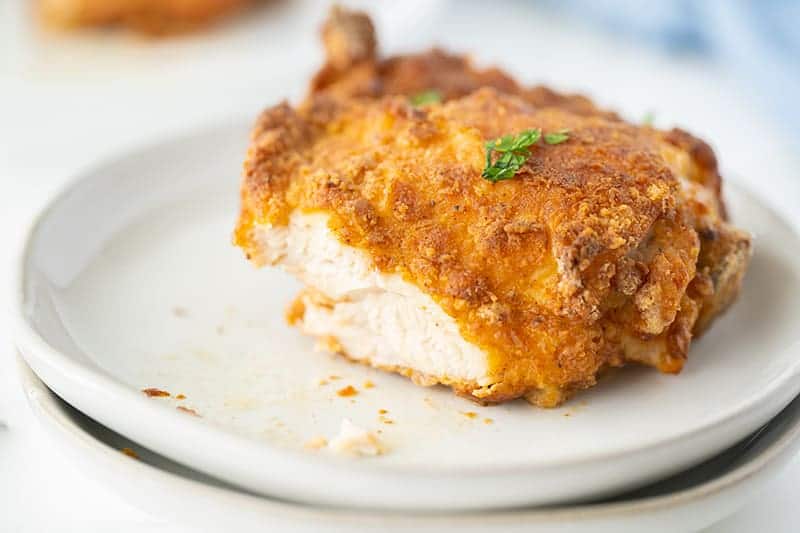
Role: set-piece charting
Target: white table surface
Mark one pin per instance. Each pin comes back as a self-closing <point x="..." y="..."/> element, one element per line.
<point x="67" y="101"/>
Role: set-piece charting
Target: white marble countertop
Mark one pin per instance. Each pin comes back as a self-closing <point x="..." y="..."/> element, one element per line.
<point x="67" y="101"/>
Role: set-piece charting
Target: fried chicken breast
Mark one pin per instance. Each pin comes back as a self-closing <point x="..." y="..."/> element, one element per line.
<point x="607" y="248"/>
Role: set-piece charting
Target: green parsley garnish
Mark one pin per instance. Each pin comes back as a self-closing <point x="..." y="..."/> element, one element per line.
<point x="514" y="151"/>
<point x="431" y="96"/>
<point x="557" y="137"/>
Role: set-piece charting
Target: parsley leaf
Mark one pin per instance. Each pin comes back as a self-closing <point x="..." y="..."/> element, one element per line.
<point x="557" y="137"/>
<point x="515" y="143"/>
<point x="431" y="96"/>
<point x="514" y="152"/>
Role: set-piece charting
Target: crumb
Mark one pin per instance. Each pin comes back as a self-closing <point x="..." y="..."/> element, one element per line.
<point x="334" y="377"/>
<point x="347" y="391"/>
<point x="152" y="392"/>
<point x="428" y="401"/>
<point x="180" y="397"/>
<point x="368" y="384"/>
<point x="295" y="312"/>
<point x="328" y="344"/>
<point x="567" y="414"/>
<point x="354" y="440"/>
<point x="130" y="453"/>
<point x="187" y="410"/>
<point x="180" y="312"/>
<point x="323" y="382"/>
<point x="316" y="443"/>
<point x="387" y="420"/>
<point x="470" y="414"/>
<point x="220" y="330"/>
<point x="382" y="411"/>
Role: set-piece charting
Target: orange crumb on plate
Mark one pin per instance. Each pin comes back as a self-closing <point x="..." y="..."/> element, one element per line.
<point x="152" y="392"/>
<point x="130" y="453"/>
<point x="187" y="410"/>
<point x="347" y="391"/>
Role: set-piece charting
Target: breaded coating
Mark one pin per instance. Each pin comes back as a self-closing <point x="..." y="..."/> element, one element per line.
<point x="354" y="68"/>
<point x="581" y="261"/>
<point x="611" y="247"/>
<point x="152" y="17"/>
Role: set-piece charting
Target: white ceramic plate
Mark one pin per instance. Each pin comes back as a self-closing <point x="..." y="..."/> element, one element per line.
<point x="129" y="281"/>
<point x="686" y="502"/>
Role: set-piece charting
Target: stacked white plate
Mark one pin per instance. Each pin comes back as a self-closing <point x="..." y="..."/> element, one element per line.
<point x="128" y="282"/>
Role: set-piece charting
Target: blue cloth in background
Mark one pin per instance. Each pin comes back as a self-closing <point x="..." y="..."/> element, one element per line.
<point x="758" y="41"/>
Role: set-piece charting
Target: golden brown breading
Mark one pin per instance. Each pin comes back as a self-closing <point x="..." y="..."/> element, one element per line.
<point x="608" y="248"/>
<point x="353" y="68"/>
<point x="147" y="16"/>
<point x="580" y="262"/>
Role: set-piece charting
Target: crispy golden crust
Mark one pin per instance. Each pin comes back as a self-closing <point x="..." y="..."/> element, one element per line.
<point x="724" y="255"/>
<point x="152" y="17"/>
<point x="353" y="68"/>
<point x="610" y="247"/>
<point x="546" y="272"/>
<point x="356" y="70"/>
